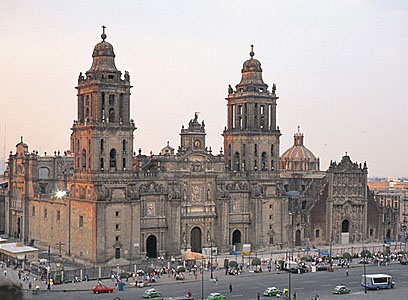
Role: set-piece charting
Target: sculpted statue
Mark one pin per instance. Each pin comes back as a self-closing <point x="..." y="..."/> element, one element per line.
<point x="230" y="90"/>
<point x="127" y="76"/>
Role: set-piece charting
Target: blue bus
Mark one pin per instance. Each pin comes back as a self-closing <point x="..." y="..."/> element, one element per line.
<point x="377" y="281"/>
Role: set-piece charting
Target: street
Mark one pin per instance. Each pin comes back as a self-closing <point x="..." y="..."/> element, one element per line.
<point x="247" y="285"/>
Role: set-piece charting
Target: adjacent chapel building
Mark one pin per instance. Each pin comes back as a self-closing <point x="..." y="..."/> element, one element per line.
<point x="100" y="201"/>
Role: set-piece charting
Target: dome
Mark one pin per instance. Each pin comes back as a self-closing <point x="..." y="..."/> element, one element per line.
<point x="103" y="56"/>
<point x="298" y="157"/>
<point x="103" y="49"/>
<point x="251" y="73"/>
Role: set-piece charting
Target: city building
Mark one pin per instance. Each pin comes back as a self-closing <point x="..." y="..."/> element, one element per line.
<point x="102" y="203"/>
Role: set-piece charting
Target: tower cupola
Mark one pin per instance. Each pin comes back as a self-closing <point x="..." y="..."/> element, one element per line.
<point x="251" y="74"/>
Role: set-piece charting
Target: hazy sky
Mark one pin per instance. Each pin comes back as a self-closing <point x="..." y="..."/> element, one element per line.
<point x="341" y="69"/>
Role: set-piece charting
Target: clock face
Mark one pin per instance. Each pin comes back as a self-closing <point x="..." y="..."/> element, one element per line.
<point x="197" y="143"/>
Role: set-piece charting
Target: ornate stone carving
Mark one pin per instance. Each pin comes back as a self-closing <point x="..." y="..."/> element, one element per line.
<point x="197" y="193"/>
<point x="151" y="188"/>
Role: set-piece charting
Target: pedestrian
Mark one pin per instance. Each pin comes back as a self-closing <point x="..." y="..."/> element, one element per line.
<point x="195" y="275"/>
<point x="294" y="295"/>
<point x="216" y="280"/>
<point x="29" y="285"/>
<point x="189" y="293"/>
<point x="230" y="288"/>
<point x="258" y="296"/>
<point x="5" y="272"/>
<point x="347" y="272"/>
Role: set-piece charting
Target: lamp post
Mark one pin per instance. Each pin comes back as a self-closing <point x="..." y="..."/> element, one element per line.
<point x="291" y="242"/>
<point x="202" y="278"/>
<point x="211" y="266"/>
<point x="365" y="273"/>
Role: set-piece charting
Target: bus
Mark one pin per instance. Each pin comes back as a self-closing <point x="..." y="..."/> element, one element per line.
<point x="377" y="281"/>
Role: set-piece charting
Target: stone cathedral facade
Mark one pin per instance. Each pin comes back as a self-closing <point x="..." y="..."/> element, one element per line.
<point x="101" y="201"/>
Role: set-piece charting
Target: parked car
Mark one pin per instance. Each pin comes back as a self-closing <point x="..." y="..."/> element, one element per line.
<point x="341" y="289"/>
<point x="100" y="288"/>
<point x="150" y="293"/>
<point x="215" y="296"/>
<point x="272" y="291"/>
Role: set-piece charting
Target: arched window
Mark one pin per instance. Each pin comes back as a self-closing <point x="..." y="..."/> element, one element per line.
<point x="236" y="162"/>
<point x="102" y="145"/>
<point x="272" y="167"/>
<point x="102" y="164"/>
<point x="111" y="114"/>
<point x="272" y="150"/>
<point x="112" y="159"/>
<point x="229" y="149"/>
<point x="263" y="162"/>
<point x="124" y="146"/>
<point x="87" y="114"/>
<point x="83" y="158"/>
<point x="43" y="173"/>
<point x="256" y="150"/>
<point x="317" y="233"/>
<point x="124" y="163"/>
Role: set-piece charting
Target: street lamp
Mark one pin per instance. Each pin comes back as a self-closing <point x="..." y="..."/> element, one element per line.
<point x="291" y="242"/>
<point x="365" y="273"/>
<point x="211" y="266"/>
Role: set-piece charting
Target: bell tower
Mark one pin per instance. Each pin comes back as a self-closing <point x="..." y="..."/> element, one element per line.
<point x="251" y="138"/>
<point x="102" y="135"/>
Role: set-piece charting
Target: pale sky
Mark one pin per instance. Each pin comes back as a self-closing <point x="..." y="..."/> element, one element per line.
<point x="341" y="70"/>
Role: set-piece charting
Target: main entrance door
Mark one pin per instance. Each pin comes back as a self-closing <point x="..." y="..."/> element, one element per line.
<point x="297" y="241"/>
<point x="236" y="237"/>
<point x="151" y="246"/>
<point x="345" y="232"/>
<point x="196" y="239"/>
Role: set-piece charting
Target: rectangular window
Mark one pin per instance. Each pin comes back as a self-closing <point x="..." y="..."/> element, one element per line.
<point x="117" y="214"/>
<point x="270" y="206"/>
<point x="58" y="216"/>
<point x="33" y="212"/>
<point x="81" y="221"/>
<point x="117" y="238"/>
<point x="371" y="232"/>
<point x="117" y="227"/>
<point x="270" y="226"/>
<point x="271" y="239"/>
<point x="117" y="253"/>
<point x="270" y="217"/>
<point x="45" y="213"/>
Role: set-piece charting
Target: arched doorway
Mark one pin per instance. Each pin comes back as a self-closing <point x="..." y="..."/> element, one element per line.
<point x="236" y="237"/>
<point x="345" y="232"/>
<point x="388" y="236"/>
<point x="151" y="246"/>
<point x="297" y="240"/>
<point x="196" y="239"/>
<point x="345" y="226"/>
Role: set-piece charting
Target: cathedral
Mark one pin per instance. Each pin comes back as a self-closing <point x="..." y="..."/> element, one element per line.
<point x="100" y="201"/>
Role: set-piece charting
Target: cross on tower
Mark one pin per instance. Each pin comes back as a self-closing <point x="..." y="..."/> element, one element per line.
<point x="252" y="51"/>
<point x="103" y="35"/>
